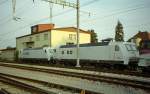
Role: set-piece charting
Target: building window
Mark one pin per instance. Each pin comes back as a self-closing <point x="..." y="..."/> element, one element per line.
<point x="116" y="48"/>
<point x="45" y="36"/>
<point x="30" y="38"/>
<point x="69" y="43"/>
<point x="72" y="36"/>
<point x="45" y="46"/>
<point x="37" y="38"/>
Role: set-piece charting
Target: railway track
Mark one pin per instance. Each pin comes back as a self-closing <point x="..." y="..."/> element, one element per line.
<point x="3" y="91"/>
<point x="18" y="83"/>
<point x="21" y="82"/>
<point x="102" y="69"/>
<point x="122" y="81"/>
<point x="107" y="70"/>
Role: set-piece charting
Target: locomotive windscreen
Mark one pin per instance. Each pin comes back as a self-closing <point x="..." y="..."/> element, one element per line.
<point x="130" y="47"/>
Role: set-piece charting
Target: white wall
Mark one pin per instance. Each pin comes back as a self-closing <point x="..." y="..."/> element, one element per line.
<point x="8" y="55"/>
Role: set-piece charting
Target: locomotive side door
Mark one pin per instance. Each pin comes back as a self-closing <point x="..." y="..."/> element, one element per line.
<point x="117" y="52"/>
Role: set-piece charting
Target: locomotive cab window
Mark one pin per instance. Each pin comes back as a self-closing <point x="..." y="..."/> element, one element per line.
<point x="131" y="47"/>
<point x="134" y="47"/>
<point x="116" y="48"/>
<point x="62" y="52"/>
<point x="67" y="52"/>
<point x="70" y="52"/>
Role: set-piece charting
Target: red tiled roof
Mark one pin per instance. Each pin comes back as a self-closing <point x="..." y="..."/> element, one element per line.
<point x="142" y="35"/>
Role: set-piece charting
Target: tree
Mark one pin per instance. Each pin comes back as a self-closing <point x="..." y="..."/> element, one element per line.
<point x="93" y="36"/>
<point x="119" y="34"/>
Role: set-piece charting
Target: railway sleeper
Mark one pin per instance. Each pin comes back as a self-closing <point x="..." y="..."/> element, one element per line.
<point x="4" y="91"/>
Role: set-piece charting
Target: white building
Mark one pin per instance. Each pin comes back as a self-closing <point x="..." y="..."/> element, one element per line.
<point x="8" y="54"/>
<point x="52" y="37"/>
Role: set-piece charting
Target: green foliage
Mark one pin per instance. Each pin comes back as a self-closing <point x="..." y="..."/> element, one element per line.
<point x="93" y="36"/>
<point x="119" y="34"/>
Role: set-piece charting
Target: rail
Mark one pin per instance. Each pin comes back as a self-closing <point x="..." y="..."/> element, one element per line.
<point x="10" y="80"/>
<point x="3" y="91"/>
<point x="121" y="81"/>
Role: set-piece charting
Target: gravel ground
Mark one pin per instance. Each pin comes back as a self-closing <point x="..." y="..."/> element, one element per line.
<point x="144" y="79"/>
<point x="13" y="89"/>
<point x="96" y="86"/>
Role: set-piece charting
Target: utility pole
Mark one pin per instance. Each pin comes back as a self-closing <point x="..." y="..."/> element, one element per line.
<point x="78" y="17"/>
<point x="51" y="12"/>
<point x="15" y="18"/>
<point x="77" y="7"/>
<point x="14" y="7"/>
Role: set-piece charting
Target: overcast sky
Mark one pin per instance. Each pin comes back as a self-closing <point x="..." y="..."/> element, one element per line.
<point x="100" y="15"/>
